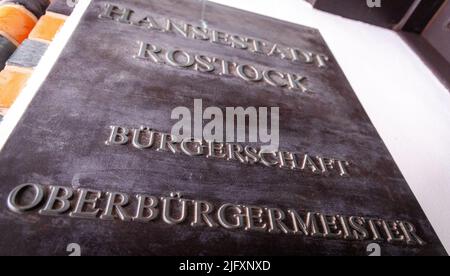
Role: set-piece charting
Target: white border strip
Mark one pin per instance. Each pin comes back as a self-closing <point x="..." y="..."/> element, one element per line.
<point x="41" y="72"/>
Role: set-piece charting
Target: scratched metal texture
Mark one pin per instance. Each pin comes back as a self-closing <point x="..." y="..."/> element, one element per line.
<point x="96" y="83"/>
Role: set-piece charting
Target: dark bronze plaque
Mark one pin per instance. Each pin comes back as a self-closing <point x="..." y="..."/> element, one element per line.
<point x="102" y="79"/>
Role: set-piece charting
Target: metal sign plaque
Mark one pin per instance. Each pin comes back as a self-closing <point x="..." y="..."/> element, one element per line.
<point x="94" y="166"/>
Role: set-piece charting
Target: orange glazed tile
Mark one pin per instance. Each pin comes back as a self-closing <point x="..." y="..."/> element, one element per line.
<point x="47" y="26"/>
<point x="12" y="81"/>
<point x="16" y="22"/>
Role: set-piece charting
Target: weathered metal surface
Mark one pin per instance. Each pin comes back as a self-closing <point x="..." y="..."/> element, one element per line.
<point x="96" y="83"/>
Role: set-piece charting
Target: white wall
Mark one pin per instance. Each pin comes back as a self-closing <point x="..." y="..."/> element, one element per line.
<point x="409" y="107"/>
